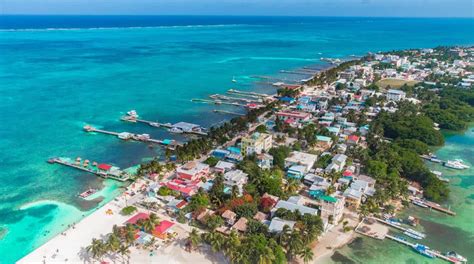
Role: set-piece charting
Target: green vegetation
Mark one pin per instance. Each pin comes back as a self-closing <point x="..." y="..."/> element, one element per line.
<point x="394" y="83"/>
<point x="128" y="210"/>
<point x="211" y="161"/>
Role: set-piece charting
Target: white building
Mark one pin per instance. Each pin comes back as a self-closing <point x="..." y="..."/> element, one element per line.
<point x="235" y="178"/>
<point x="300" y="158"/>
<point x="395" y="95"/>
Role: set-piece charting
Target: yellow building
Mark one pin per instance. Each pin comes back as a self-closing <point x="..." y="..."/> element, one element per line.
<point x="256" y="143"/>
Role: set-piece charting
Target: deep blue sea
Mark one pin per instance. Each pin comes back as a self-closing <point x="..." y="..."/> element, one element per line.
<point x="58" y="73"/>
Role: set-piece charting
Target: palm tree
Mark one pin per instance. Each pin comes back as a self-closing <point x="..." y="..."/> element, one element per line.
<point x="150" y="223"/>
<point x="194" y="238"/>
<point x="96" y="249"/>
<point x="124" y="251"/>
<point x="113" y="243"/>
<point x="307" y="254"/>
<point x="295" y="244"/>
<point x="266" y="257"/>
<point x="235" y="192"/>
<point x="129" y="234"/>
<point x="231" y="244"/>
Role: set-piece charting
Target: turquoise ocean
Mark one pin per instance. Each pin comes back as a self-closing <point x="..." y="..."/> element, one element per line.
<point x="58" y="73"/>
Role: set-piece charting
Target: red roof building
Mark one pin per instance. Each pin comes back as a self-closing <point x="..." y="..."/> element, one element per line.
<point x="137" y="217"/>
<point x="104" y="167"/>
<point x="353" y="139"/>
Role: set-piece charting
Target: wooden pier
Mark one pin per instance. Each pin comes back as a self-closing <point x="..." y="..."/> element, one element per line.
<point x="83" y="167"/>
<point x="431" y="205"/>
<point x="171" y="144"/>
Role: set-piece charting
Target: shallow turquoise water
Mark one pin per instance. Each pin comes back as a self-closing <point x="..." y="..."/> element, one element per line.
<point x="52" y="82"/>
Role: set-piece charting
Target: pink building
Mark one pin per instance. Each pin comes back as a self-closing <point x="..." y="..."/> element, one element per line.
<point x="192" y="171"/>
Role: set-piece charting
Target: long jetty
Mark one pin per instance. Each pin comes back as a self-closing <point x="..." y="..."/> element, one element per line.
<point x="431" y="205"/>
<point x="171" y="144"/>
<point x="217" y="102"/>
<point x="411" y="245"/>
<point x="227" y="112"/>
<point x="132" y="119"/>
<point x="248" y="93"/>
<point x="230" y="98"/>
<point x="86" y="168"/>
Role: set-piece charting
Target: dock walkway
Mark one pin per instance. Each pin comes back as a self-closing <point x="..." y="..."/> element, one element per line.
<point x="431" y="205"/>
<point x="171" y="144"/>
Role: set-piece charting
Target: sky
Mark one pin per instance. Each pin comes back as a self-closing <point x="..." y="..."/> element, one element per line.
<point x="383" y="8"/>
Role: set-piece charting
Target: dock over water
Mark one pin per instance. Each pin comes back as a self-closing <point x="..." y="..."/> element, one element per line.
<point x="106" y="171"/>
<point x="171" y="144"/>
<point x="431" y="205"/>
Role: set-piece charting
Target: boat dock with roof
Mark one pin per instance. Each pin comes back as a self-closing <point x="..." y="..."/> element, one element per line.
<point x="102" y="170"/>
<point x="169" y="143"/>
<point x="180" y="127"/>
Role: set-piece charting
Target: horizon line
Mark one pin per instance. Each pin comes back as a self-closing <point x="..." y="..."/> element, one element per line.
<point x="236" y="15"/>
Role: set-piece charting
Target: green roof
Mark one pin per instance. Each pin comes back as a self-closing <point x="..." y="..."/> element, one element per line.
<point x="323" y="138"/>
<point x="328" y="198"/>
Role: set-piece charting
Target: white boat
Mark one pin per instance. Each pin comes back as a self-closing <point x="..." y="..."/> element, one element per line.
<point x="456" y="257"/>
<point x="420" y="203"/>
<point x="233" y="79"/>
<point x="416" y="233"/>
<point x="457" y="164"/>
<point x="175" y="130"/>
<point x="153" y="124"/>
<point x="132" y="113"/>
<point x="413" y="235"/>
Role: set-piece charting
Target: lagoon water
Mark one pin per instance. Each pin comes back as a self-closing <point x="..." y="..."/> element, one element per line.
<point x="59" y="73"/>
<point x="444" y="233"/>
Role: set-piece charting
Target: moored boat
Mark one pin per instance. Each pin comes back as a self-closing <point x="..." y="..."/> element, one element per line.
<point x="423" y="250"/>
<point x="88" y="193"/>
<point x="456" y="257"/>
<point x="457" y="164"/>
<point x="412" y="235"/>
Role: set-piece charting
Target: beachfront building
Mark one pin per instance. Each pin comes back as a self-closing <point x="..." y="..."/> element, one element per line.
<point x="301" y="158"/>
<point x="332" y="207"/>
<point x="192" y="171"/>
<point x="235" y="178"/>
<point x="256" y="143"/>
<point x="395" y="95"/>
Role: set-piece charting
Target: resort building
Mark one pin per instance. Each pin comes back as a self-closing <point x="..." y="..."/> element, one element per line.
<point x="395" y="95"/>
<point x="256" y="143"/>
<point x="192" y="171"/>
